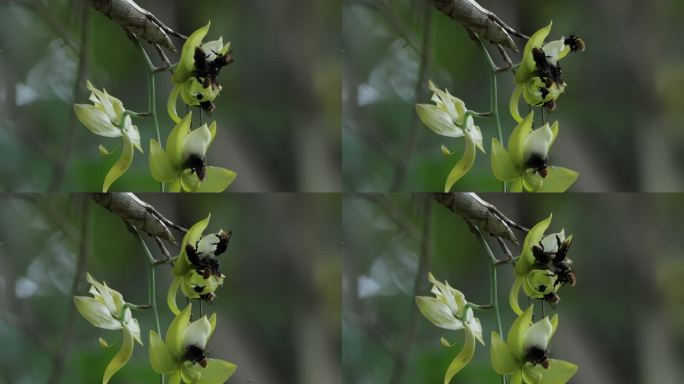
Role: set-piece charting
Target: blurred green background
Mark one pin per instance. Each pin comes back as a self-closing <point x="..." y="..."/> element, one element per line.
<point x="621" y="323"/>
<point x="278" y="310"/>
<point x="621" y="116"/>
<point x="278" y="115"/>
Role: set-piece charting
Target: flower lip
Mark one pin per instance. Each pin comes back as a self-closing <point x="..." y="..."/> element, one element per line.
<point x="196" y="355"/>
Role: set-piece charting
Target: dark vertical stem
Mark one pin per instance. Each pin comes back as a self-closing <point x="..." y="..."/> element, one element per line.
<point x="421" y="274"/>
<point x="84" y="50"/>
<point x="405" y="158"/>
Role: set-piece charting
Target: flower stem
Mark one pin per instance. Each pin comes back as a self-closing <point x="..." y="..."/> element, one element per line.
<point x="493" y="286"/>
<point x="152" y="283"/>
<point x="151" y="94"/>
<point x="494" y="92"/>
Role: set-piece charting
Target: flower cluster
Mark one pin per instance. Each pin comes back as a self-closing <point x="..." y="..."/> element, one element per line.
<point x="183" y="164"/>
<point x="525" y="164"/>
<point x="543" y="266"/>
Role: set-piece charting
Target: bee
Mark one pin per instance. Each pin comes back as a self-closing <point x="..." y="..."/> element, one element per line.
<point x="222" y="245"/>
<point x="548" y="73"/>
<point x="539" y="164"/>
<point x="563" y="248"/>
<point x="197" y="165"/>
<point x="551" y="298"/>
<point x="543" y="258"/>
<point x="566" y="276"/>
<point x="575" y="43"/>
<point x="536" y="355"/>
<point x="206" y="72"/>
<point x="196" y="354"/>
<point x="206" y="266"/>
<point x="208" y="297"/>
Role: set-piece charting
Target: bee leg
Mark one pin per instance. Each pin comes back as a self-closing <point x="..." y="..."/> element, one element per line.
<point x="507" y="59"/>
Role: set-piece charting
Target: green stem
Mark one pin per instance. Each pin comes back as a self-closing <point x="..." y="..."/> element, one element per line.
<point x="151" y="94"/>
<point x="493" y="286"/>
<point x="494" y="92"/>
<point x="152" y="283"/>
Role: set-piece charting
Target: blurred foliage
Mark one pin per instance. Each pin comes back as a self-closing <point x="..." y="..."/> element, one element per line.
<point x="278" y="310"/>
<point x="278" y="114"/>
<point x="620" y="324"/>
<point x="620" y="118"/>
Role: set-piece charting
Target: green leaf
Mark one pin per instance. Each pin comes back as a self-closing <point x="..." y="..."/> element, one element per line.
<point x="121" y="357"/>
<point x="516" y="142"/>
<point x="217" y="180"/>
<point x="502" y="164"/>
<point x="217" y="372"/>
<point x="171" y="103"/>
<point x="516" y="335"/>
<point x="463" y="357"/>
<point x="186" y="64"/>
<point x="438" y="120"/>
<point x="160" y="165"/>
<point x="513" y="295"/>
<point x="527" y="66"/>
<point x="559" y="179"/>
<point x="121" y="165"/>
<point x="514" y="103"/>
<point x="160" y="358"/>
<point x="96" y="120"/>
<point x="503" y="360"/>
<point x="174" y="142"/>
<point x="463" y="165"/>
<point x="174" y="334"/>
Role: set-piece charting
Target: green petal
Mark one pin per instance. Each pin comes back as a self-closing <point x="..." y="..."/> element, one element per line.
<point x="438" y="313"/>
<point x="463" y="357"/>
<point x="502" y="163"/>
<point x="121" y="165"/>
<point x="532" y="181"/>
<point x="217" y="372"/>
<point x="175" y="185"/>
<point x="175" y="332"/>
<point x="212" y="130"/>
<point x="463" y="165"/>
<point x="121" y="357"/>
<point x="513" y="295"/>
<point x="559" y="179"/>
<point x="554" y="130"/>
<point x="160" y="358"/>
<point x="503" y="360"/>
<point x="531" y="375"/>
<point x="195" y="232"/>
<point x="559" y="372"/>
<point x="190" y="372"/>
<point x="517" y="378"/>
<point x="171" y="295"/>
<point x="186" y="64"/>
<point x="171" y="103"/>
<point x="513" y="103"/>
<point x="516" y="142"/>
<point x="96" y="120"/>
<point x="516" y="335"/>
<point x="160" y="165"/>
<point x="189" y="181"/>
<point x="96" y="313"/>
<point x="554" y="324"/>
<point x="527" y="66"/>
<point x="212" y="321"/>
<point x="438" y="120"/>
<point x="175" y="378"/>
<point x="517" y="185"/>
<point x="539" y="283"/>
<point x="174" y="143"/>
<point x="217" y="180"/>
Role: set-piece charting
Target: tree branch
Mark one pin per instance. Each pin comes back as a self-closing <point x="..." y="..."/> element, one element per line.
<point x="137" y="21"/>
<point x="479" y="213"/>
<point x="479" y="21"/>
<point x="139" y="214"/>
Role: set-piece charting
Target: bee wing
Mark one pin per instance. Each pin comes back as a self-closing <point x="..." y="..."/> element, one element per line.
<point x="136" y="20"/>
<point x="478" y="20"/>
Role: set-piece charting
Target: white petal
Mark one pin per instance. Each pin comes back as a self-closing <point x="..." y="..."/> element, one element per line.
<point x="550" y="242"/>
<point x="196" y="143"/>
<point x="438" y="313"/>
<point x="96" y="313"/>
<point x="539" y="142"/>
<point x="538" y="335"/>
<point x="197" y="333"/>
